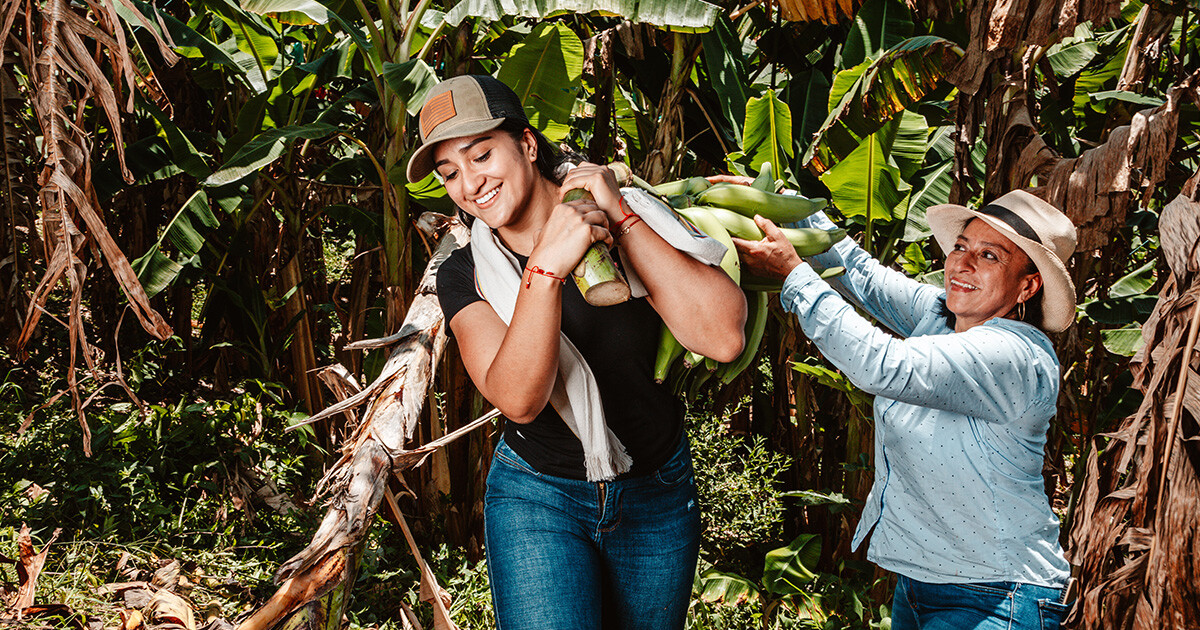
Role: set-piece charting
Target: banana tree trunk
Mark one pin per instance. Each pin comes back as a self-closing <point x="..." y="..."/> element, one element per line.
<point x="314" y="584"/>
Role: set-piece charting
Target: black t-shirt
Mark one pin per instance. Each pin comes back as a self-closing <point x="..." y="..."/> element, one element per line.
<point x="619" y="343"/>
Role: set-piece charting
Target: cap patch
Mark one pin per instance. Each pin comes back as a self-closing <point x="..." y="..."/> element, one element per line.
<point x="437" y="110"/>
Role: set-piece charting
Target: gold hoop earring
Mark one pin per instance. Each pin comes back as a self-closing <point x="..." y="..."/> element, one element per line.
<point x="1021" y="311"/>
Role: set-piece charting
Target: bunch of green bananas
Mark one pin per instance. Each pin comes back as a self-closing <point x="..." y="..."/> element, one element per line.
<point x="721" y="211"/>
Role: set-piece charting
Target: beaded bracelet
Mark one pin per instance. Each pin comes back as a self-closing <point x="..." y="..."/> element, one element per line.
<point x="541" y="272"/>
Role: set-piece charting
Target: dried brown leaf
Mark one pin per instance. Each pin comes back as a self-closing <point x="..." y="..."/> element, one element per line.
<point x="29" y="568"/>
<point x="168" y="610"/>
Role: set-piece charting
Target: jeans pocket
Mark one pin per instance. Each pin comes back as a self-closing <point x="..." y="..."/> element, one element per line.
<point x="504" y="454"/>
<point x="1051" y="613"/>
<point x="677" y="470"/>
<point x="999" y="589"/>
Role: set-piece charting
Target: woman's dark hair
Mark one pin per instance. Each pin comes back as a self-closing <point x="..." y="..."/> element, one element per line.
<point x="550" y="159"/>
<point x="1033" y="310"/>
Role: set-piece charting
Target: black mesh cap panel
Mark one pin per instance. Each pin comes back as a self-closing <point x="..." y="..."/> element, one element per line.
<point x="502" y="101"/>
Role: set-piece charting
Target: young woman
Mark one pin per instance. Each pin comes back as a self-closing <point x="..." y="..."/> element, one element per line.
<point x="963" y="400"/>
<point x="590" y="512"/>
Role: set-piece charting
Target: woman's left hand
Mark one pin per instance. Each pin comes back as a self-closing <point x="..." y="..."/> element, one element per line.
<point x="601" y="182"/>
<point x="773" y="256"/>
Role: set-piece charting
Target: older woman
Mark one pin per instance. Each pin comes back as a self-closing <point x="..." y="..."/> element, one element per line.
<point x="590" y="514"/>
<point x="964" y="395"/>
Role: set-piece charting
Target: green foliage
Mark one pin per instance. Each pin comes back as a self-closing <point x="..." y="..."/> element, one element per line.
<point x="544" y="71"/>
<point x="740" y="505"/>
<point x="767" y="136"/>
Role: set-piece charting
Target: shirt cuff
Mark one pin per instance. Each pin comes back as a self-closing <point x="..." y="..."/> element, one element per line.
<point x="799" y="278"/>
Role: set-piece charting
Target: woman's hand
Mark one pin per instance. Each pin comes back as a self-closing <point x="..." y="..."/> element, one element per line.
<point x="566" y="236"/>
<point x="773" y="256"/>
<point x="741" y="180"/>
<point x="602" y="184"/>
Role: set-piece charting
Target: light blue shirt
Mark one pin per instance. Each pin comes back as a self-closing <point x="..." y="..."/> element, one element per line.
<point x="960" y="424"/>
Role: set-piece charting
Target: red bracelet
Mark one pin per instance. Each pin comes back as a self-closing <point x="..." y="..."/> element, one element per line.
<point x="623" y="220"/>
<point x="541" y="272"/>
<point x="626" y="229"/>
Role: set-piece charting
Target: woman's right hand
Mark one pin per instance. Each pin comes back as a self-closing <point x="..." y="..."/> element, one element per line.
<point x="773" y="256"/>
<point x="566" y="236"/>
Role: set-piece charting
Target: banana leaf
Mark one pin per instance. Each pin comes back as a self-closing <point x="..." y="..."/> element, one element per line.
<point x="410" y="81"/>
<point x="787" y="568"/>
<point x="154" y="269"/>
<point x="902" y="76"/>
<point x="679" y="15"/>
<point x="868" y="185"/>
<point x="264" y="149"/>
<point x="302" y="12"/>
<point x="729" y="589"/>
<point x="1070" y="56"/>
<point x="545" y="71"/>
<point x="723" y="62"/>
<point x="767" y="136"/>
<point x="878" y="26"/>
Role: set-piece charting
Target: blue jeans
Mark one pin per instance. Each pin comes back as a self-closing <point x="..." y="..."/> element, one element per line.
<point x="982" y="606"/>
<point x="565" y="554"/>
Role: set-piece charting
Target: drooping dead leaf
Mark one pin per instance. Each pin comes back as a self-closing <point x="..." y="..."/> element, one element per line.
<point x="1179" y="232"/>
<point x="169" y="611"/>
<point x="409" y="618"/>
<point x="29" y="566"/>
<point x="1136" y="535"/>
<point x="67" y="45"/>
<point x="1096" y="188"/>
<point x="824" y="11"/>
<point x="998" y="27"/>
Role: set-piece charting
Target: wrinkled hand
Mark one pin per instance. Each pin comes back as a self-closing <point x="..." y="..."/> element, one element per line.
<point x="773" y="256"/>
<point x="571" y="229"/>
<point x="599" y="181"/>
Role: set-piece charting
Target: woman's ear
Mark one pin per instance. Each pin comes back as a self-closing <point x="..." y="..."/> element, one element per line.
<point x="529" y="144"/>
<point x="1030" y="286"/>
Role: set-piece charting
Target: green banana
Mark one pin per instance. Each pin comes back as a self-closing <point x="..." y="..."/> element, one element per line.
<point x="689" y="186"/>
<point x="765" y="181"/>
<point x="692" y="359"/>
<point x="712" y="227"/>
<point x="831" y="272"/>
<point x="698" y="381"/>
<point x="669" y="349"/>
<point x="750" y="201"/>
<point x="734" y="223"/>
<point x="813" y="241"/>
<point x="756" y="325"/>
<point x="751" y="282"/>
<point x="807" y="241"/>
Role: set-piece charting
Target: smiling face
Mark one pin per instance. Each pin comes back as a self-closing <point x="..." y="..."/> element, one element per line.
<point x="986" y="276"/>
<point x="490" y="175"/>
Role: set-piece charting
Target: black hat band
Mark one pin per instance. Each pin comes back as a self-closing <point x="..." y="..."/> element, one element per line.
<point x="1012" y="220"/>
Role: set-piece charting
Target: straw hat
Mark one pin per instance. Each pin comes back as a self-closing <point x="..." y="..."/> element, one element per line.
<point x="1042" y="231"/>
<point x="460" y="107"/>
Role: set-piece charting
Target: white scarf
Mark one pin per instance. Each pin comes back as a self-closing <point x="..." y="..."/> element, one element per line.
<point x="576" y="396"/>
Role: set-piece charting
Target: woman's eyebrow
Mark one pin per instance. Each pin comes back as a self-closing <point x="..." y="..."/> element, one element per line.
<point x="464" y="148"/>
<point x="998" y="246"/>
